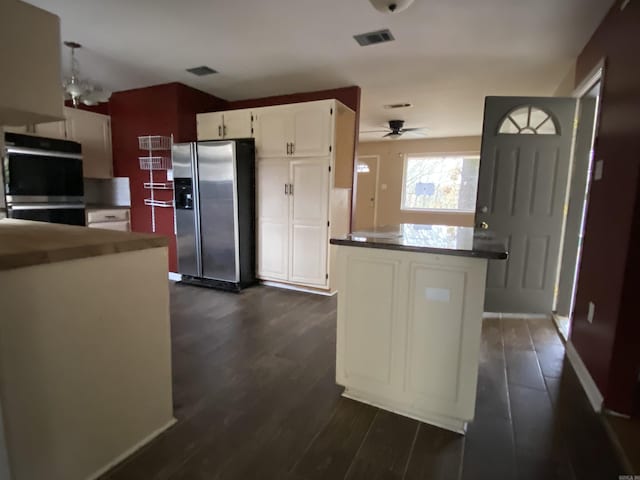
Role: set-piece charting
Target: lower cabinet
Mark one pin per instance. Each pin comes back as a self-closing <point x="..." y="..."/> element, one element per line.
<point x="293" y="220"/>
<point x="409" y="327"/>
<point x="109" y="219"/>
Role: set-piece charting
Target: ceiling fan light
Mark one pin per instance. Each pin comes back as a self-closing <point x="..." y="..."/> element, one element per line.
<point x="391" y="6"/>
<point x="73" y="88"/>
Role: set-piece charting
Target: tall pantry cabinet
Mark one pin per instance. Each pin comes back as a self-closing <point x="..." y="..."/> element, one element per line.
<point x="297" y="185"/>
<point x="304" y="176"/>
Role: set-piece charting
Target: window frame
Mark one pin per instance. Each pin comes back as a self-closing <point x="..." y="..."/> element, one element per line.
<point x="474" y="155"/>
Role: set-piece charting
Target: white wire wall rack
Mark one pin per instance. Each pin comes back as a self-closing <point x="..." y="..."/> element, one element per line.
<point x="158" y="158"/>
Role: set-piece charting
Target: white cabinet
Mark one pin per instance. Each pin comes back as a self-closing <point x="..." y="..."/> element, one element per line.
<point x="30" y="88"/>
<point x="296" y="130"/>
<point x="51" y="129"/>
<point x="409" y="327"/>
<point x="221" y="125"/>
<point x="293" y="220"/>
<point x="93" y="131"/>
<point x="309" y="205"/>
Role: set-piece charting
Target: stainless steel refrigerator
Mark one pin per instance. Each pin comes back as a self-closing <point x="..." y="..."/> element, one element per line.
<point x="214" y="184"/>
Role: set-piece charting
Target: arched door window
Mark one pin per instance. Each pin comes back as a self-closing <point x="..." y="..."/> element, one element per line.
<point x="528" y="120"/>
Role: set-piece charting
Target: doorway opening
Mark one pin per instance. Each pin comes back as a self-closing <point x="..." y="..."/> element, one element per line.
<point x="366" y="208"/>
<point x="581" y="176"/>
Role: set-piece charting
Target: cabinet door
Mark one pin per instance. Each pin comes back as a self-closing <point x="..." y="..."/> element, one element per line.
<point x="209" y="126"/>
<point x="273" y="219"/>
<point x="51" y="130"/>
<point x="237" y="124"/>
<point x="272" y="131"/>
<point x="309" y="217"/>
<point x="311" y="134"/>
<point x="12" y="129"/>
<point x="93" y="131"/>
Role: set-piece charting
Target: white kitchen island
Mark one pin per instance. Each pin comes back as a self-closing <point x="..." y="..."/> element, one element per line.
<point x="85" y="348"/>
<point x="410" y="304"/>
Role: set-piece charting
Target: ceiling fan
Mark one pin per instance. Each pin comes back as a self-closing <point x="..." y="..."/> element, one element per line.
<point x="396" y="130"/>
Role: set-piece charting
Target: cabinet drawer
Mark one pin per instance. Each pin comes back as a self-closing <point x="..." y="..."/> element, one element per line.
<point x="115" y="215"/>
<point x="120" y="226"/>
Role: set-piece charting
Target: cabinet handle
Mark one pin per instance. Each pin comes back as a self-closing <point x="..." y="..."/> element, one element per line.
<point x="286" y="189"/>
<point x="110" y="216"/>
<point x="219" y="130"/>
<point x="224" y="131"/>
<point x="293" y="148"/>
<point x="291" y="189"/>
<point x="288" y="145"/>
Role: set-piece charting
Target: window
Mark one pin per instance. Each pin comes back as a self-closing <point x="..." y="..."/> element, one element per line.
<point x="445" y="184"/>
<point x="528" y="120"/>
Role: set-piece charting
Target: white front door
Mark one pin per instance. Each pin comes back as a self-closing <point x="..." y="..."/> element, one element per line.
<point x="309" y="203"/>
<point x="366" y="186"/>
<point x="524" y="165"/>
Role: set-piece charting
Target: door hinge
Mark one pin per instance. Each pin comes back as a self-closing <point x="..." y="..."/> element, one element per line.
<point x="331" y="112"/>
<point x="329" y="167"/>
<point x="328" y="224"/>
<point x="326" y="276"/>
<point x="252" y="118"/>
<point x="330" y="148"/>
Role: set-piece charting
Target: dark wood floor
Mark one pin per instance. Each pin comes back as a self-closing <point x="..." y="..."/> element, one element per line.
<point x="255" y="398"/>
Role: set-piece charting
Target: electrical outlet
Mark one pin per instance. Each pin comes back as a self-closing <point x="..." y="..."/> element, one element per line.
<point x="591" y="312"/>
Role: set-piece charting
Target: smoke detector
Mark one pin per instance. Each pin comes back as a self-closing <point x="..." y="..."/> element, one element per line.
<point x="391" y="6"/>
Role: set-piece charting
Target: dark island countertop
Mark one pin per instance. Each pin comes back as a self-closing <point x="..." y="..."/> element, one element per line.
<point x="439" y="239"/>
<point x="24" y="243"/>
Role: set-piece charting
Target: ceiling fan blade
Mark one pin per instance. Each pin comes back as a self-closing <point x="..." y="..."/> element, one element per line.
<point x="391" y="134"/>
<point x="418" y="134"/>
<point x="375" y="131"/>
<point x="413" y="129"/>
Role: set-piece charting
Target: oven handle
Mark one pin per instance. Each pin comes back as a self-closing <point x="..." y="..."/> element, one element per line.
<point x="47" y="206"/>
<point x="44" y="153"/>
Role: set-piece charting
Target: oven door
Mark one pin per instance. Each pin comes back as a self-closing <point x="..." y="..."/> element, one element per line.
<point x="33" y="173"/>
<point x="68" y="214"/>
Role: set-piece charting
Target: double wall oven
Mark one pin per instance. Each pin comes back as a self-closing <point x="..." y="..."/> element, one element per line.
<point x="42" y="179"/>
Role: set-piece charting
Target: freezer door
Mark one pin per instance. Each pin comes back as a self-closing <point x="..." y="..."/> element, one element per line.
<point x="218" y="210"/>
<point x="187" y="232"/>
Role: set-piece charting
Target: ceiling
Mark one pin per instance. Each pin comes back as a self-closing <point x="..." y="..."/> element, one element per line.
<point x="447" y="56"/>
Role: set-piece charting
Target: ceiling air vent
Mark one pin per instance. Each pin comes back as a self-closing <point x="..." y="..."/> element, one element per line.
<point x="392" y="106"/>
<point x="372" y="38"/>
<point x="201" y="71"/>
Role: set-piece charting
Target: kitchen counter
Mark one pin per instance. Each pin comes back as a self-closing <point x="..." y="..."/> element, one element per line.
<point x="440" y="239"/>
<point x="24" y="243"/>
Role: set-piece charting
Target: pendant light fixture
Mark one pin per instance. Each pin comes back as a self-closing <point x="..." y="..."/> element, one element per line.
<point x="391" y="6"/>
<point x="79" y="90"/>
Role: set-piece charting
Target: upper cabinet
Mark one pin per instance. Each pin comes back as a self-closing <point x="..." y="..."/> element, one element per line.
<point x="92" y="131"/>
<point x="295" y="130"/>
<point x="221" y="125"/>
<point x="30" y="88"/>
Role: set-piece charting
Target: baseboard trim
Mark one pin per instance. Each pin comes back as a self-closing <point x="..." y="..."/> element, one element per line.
<point x="175" y="277"/>
<point x="288" y="286"/>
<point x="586" y="380"/>
<point x="448" y="423"/>
<point x="131" y="450"/>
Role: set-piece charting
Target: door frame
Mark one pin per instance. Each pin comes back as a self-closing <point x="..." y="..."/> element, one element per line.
<point x="595" y="76"/>
<point x="377" y="186"/>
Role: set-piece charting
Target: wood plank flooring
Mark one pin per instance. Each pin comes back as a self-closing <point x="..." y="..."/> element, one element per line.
<point x="255" y="398"/>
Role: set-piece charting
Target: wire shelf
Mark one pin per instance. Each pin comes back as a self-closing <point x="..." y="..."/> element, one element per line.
<point x="155" y="163"/>
<point x="158" y="203"/>
<point x="154" y="142"/>
<point x="158" y="185"/>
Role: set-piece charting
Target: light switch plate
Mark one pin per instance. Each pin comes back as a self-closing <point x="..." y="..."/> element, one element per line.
<point x="597" y="174"/>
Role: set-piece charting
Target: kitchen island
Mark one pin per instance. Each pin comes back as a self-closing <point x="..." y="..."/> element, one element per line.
<point x="410" y="304"/>
<point x="85" y="352"/>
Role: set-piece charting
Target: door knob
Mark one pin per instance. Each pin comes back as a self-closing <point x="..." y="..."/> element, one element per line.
<point x="483" y="225"/>
<point x="484" y="209"/>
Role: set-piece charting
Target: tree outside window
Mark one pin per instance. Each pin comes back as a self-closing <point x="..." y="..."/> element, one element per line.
<point x="445" y="183"/>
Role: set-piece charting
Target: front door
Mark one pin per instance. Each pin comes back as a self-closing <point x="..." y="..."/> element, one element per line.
<point x="524" y="166"/>
<point x="365" y="211"/>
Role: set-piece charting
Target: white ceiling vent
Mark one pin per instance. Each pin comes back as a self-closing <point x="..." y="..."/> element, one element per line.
<point x="201" y="71"/>
<point x="371" y="38"/>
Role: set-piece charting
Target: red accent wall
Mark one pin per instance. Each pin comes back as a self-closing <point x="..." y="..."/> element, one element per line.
<point x="167" y="109"/>
<point x="610" y="269"/>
